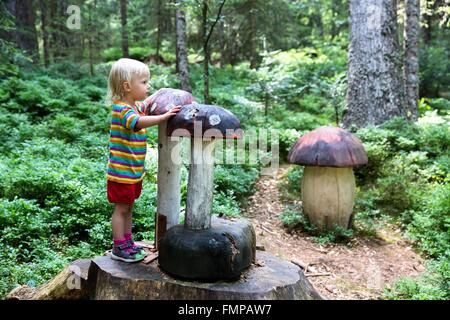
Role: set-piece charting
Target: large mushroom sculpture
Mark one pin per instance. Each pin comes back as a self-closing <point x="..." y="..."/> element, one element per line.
<point x="328" y="185"/>
<point x="205" y="248"/>
<point x="169" y="162"/>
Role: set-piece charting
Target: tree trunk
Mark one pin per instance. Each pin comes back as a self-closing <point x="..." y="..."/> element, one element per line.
<point x="252" y="37"/>
<point x="411" y="64"/>
<point x="206" y="37"/>
<point x="375" y="90"/>
<point x="91" y="62"/>
<point x="222" y="43"/>
<point x="123" y="20"/>
<point x="334" y="15"/>
<point x="158" y="36"/>
<point x="53" y="32"/>
<point x="206" y="53"/>
<point x="62" y="30"/>
<point x="45" y="42"/>
<point x="177" y="53"/>
<point x="182" y="59"/>
<point x="25" y="34"/>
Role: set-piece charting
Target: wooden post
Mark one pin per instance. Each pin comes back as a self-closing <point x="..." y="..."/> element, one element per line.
<point x="169" y="183"/>
<point x="160" y="228"/>
<point x="200" y="185"/>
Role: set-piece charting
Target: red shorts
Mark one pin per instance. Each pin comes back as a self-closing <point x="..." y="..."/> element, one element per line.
<point x="123" y="192"/>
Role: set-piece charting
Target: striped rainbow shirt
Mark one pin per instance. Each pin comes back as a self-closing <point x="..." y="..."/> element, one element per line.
<point x="127" y="145"/>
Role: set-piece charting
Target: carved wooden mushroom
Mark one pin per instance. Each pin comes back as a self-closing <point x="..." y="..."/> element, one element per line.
<point x="169" y="169"/>
<point x="205" y="248"/>
<point x="203" y="123"/>
<point x="328" y="186"/>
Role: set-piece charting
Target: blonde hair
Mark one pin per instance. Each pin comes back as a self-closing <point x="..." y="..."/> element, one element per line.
<point x="123" y="70"/>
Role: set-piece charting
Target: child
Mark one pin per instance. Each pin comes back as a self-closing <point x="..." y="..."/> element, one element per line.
<point x="127" y="85"/>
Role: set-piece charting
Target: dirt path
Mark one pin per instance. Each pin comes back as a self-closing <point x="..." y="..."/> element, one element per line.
<point x="358" y="270"/>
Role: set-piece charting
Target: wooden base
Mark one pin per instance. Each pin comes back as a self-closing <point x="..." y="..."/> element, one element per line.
<point x="105" y="279"/>
<point x="220" y="252"/>
<point x="269" y="279"/>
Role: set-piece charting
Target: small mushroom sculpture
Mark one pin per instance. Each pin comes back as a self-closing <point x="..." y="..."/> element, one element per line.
<point x="203" y="123"/>
<point x="169" y="168"/>
<point x="205" y="248"/>
<point x="328" y="186"/>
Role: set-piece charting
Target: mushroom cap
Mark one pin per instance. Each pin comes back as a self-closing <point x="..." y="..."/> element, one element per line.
<point x="204" y="121"/>
<point x="166" y="98"/>
<point x="328" y="147"/>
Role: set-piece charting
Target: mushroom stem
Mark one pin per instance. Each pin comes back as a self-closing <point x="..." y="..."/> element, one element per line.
<point x="169" y="177"/>
<point x="328" y="196"/>
<point x="200" y="185"/>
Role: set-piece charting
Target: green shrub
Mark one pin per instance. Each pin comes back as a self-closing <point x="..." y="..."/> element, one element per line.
<point x="23" y="222"/>
<point x="430" y="225"/>
<point x="66" y="128"/>
<point x="94" y="93"/>
<point x="235" y="180"/>
<point x="68" y="70"/>
<point x="290" y="185"/>
<point x="225" y="204"/>
<point x="434" y="71"/>
<point x="288" y="137"/>
<point x="294" y="218"/>
<point x="434" y="284"/>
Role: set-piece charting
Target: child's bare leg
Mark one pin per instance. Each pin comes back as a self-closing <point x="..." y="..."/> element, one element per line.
<point x="128" y="222"/>
<point x="119" y="220"/>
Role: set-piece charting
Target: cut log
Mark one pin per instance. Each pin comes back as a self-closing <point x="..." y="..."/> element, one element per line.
<point x="275" y="279"/>
<point x="69" y="284"/>
<point x="103" y="278"/>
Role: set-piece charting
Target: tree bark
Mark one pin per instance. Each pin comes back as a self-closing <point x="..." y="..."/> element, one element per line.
<point x="206" y="53"/>
<point x="334" y="14"/>
<point x="158" y="36"/>
<point x="123" y="20"/>
<point x="53" y="32"/>
<point x="91" y="62"/>
<point x="62" y="30"/>
<point x="44" y="23"/>
<point x="25" y="34"/>
<point x="375" y="90"/>
<point x="253" y="30"/>
<point x="177" y="54"/>
<point x="222" y="43"/>
<point x="183" y="66"/>
<point x="206" y="37"/>
<point x="411" y="63"/>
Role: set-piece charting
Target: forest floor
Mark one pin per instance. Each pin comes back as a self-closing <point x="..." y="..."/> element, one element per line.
<point x="358" y="269"/>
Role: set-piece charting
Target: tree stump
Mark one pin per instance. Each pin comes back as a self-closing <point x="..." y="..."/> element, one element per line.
<point x="103" y="278"/>
<point x="269" y="279"/>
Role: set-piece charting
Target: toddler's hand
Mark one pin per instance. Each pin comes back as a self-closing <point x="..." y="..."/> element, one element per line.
<point x="172" y="111"/>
